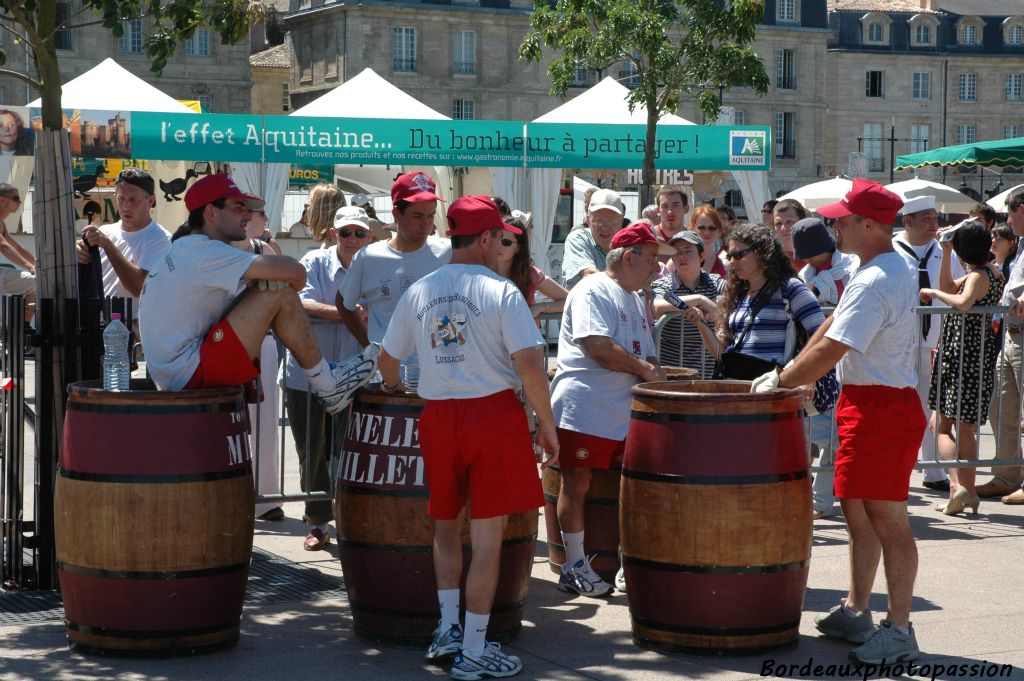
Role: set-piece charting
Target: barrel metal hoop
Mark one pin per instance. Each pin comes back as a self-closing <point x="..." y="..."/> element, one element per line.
<point x="396" y="548"/>
<point x="715" y="479"/>
<point x="378" y="610"/>
<point x="715" y="631"/>
<point x="777" y="568"/>
<point x="375" y="492"/>
<point x="392" y="408"/>
<point x="154" y="478"/>
<point x="152" y="575"/>
<point x="665" y="417"/>
<point x="153" y="409"/>
<point x="145" y="634"/>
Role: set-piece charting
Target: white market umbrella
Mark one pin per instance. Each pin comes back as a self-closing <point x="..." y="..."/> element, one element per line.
<point x="820" y="194"/>
<point x="998" y="202"/>
<point x="947" y="199"/>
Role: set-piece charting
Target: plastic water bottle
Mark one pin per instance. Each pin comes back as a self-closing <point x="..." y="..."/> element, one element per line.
<point x="117" y="366"/>
<point x="411" y="373"/>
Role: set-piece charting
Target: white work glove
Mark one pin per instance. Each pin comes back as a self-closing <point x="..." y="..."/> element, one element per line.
<point x="766" y="382"/>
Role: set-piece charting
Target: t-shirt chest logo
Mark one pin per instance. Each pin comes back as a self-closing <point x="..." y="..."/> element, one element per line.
<point x="385" y="288"/>
<point x="405" y="283"/>
<point x="446" y="330"/>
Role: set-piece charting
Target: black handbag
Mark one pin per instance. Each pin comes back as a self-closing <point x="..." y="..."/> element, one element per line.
<point x="741" y="367"/>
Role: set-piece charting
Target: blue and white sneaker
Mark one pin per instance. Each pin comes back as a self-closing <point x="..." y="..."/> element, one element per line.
<point x="492" y="664"/>
<point x="581" y="579"/>
<point x="349" y="377"/>
<point x="446" y="642"/>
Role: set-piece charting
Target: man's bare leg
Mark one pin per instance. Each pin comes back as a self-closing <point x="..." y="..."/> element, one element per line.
<point x="255" y="311"/>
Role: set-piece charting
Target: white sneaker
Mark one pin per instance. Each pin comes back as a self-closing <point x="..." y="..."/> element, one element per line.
<point x="492" y="664"/>
<point x="581" y="579"/>
<point x="349" y="377"/>
<point x="620" y="580"/>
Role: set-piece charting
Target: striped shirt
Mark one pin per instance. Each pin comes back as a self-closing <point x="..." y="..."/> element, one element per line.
<point x="694" y="354"/>
<point x="767" y="336"/>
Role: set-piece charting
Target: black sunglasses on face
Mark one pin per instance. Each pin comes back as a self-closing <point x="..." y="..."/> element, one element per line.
<point x="736" y="255"/>
<point x="507" y="242"/>
<point x="346" y="233"/>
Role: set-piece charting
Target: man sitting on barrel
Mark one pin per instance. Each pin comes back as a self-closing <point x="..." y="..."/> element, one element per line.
<point x="202" y="333"/>
<point x="477" y="344"/>
<point x="872" y="340"/>
<point x="605" y="347"/>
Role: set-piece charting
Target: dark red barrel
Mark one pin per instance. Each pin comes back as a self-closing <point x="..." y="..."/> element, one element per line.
<point x="153" y="516"/>
<point x="385" y="535"/>
<point x="715" y="516"/>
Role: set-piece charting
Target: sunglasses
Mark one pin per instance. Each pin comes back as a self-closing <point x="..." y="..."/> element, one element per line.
<point x="736" y="255"/>
<point x="346" y="233"/>
<point x="507" y="242"/>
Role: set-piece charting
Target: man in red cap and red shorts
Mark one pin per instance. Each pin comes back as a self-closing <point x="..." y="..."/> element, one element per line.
<point x="605" y="347"/>
<point x="871" y="339"/>
<point x="477" y="345"/>
<point x="202" y="333"/>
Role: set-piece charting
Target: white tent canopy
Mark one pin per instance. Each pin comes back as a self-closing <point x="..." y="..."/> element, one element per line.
<point x="818" y="194"/>
<point x="108" y="86"/>
<point x="605" y="103"/>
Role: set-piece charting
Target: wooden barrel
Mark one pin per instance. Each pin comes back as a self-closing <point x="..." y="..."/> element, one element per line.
<point x="715" y="517"/>
<point x="385" y="536"/>
<point x="679" y="373"/>
<point x="600" y="521"/>
<point x="153" y="517"/>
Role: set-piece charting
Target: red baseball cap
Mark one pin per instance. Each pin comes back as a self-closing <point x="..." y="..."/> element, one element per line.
<point x="219" y="186"/>
<point x="867" y="199"/>
<point x="413" y="187"/>
<point x="636" y="233"/>
<point x="471" y="215"/>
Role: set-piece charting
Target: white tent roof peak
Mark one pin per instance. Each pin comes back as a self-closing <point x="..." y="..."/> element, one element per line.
<point x="367" y="95"/>
<point x="108" y="86"/>
<point x="606" y="102"/>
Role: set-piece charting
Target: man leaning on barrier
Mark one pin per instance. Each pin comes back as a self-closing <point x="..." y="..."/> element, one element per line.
<point x="1007" y="480"/>
<point x="200" y="334"/>
<point x="871" y="340"/>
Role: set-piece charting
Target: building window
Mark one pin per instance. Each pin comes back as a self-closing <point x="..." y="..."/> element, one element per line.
<point x="922" y="86"/>
<point x="629" y="75"/>
<point x="786" y="10"/>
<point x="464" y="53"/>
<point x="286" y="98"/>
<point x="969" y="35"/>
<point x="968" y="87"/>
<point x="1015" y="35"/>
<point x="206" y="101"/>
<point x="62" y="39"/>
<point x="785" y="70"/>
<point x="1014" y="84"/>
<point x="403" y="44"/>
<point x="785" y="138"/>
<point x="199" y="44"/>
<point x="463" y="109"/>
<point x="580" y="77"/>
<point x="873" y="84"/>
<point x="919" y="138"/>
<point x="966" y="134"/>
<point x="1011" y="131"/>
<point x="305" y="55"/>
<point x="871" y="145"/>
<point x="739" y="117"/>
<point x="875" y="33"/>
<point x="131" y="39"/>
<point x="922" y="34"/>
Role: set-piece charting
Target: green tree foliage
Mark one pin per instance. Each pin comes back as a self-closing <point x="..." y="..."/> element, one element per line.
<point x="678" y="48"/>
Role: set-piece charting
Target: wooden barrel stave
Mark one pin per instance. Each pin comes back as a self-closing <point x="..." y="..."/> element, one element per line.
<point x="715" y="538"/>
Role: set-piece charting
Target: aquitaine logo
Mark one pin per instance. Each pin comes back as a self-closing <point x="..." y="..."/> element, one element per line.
<point x="747" y="147"/>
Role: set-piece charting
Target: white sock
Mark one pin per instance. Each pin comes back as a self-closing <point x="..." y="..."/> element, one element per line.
<point x="449" y="600"/>
<point x="324" y="527"/>
<point x="320" y="378"/>
<point x="474" y="640"/>
<point x="574" y="553"/>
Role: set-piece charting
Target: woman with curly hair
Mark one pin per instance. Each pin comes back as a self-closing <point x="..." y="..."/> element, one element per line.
<point x="515" y="264"/>
<point x="324" y="201"/>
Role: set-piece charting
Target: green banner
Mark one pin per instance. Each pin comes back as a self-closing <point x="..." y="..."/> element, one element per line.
<point x="290" y="139"/>
<point x="307" y="176"/>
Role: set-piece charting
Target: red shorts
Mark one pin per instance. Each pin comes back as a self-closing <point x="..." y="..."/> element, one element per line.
<point x="880" y="431"/>
<point x="223" y="360"/>
<point x="579" y="450"/>
<point x="479" y="449"/>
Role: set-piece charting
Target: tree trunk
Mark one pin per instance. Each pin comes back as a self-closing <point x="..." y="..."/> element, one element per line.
<point x="648" y="175"/>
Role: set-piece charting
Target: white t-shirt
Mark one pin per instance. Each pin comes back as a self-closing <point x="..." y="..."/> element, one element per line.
<point x="143" y="248"/>
<point x="186" y="293"/>
<point x="379" y="275"/>
<point x="463" y="322"/>
<point x="875" y="319"/>
<point x="934" y="260"/>
<point x="586" y="397"/>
